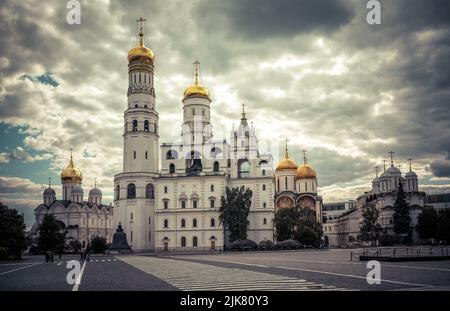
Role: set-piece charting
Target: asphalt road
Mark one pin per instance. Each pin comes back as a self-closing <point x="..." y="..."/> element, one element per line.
<point x="303" y="270"/>
<point x="334" y="268"/>
<point x="101" y="273"/>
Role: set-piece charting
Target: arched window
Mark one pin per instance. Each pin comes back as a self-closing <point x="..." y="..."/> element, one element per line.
<point x="166" y="223"/>
<point x="243" y="168"/>
<point x="183" y="241"/>
<point x="264" y="187"/>
<point x="131" y="191"/>
<point x="146" y="125"/>
<point x="171" y="155"/>
<point x="183" y="223"/>
<point x="213" y="222"/>
<point x="117" y="192"/>
<point x="194" y="241"/>
<point x="263" y="172"/>
<point x="134" y="154"/>
<point x="146" y="155"/>
<point x="216" y="167"/>
<point x="172" y="168"/>
<point x="150" y="191"/>
<point x="194" y="223"/>
<point x="183" y="204"/>
<point x="278" y="184"/>
<point x="265" y="221"/>
<point x="135" y="125"/>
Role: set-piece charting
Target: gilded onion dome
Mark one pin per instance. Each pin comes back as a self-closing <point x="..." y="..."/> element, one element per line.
<point x="305" y="171"/>
<point x="70" y="173"/>
<point x="287" y="163"/>
<point x="141" y="51"/>
<point x="196" y="89"/>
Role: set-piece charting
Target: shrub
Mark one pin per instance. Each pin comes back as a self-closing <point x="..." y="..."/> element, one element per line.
<point x="98" y="245"/>
<point x="387" y="240"/>
<point x="265" y="245"/>
<point x="243" y="245"/>
<point x="3" y="253"/>
<point x="288" y="244"/>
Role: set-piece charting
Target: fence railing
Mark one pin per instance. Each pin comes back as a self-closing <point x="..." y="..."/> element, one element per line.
<point x="398" y="252"/>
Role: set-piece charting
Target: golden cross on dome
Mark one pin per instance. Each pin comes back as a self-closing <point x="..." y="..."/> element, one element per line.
<point x="71" y="149"/>
<point x="196" y="68"/>
<point x="95" y="182"/>
<point x="141" y="30"/>
<point x="410" y="164"/>
<point x="384" y="165"/>
<point x="49" y="181"/>
<point x="304" y="156"/>
<point x="376" y="170"/>
<point x="392" y="157"/>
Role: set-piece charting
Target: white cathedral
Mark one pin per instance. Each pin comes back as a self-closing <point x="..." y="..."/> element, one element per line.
<point x="80" y="218"/>
<point x="176" y="207"/>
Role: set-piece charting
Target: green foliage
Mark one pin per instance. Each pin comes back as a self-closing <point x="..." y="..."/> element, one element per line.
<point x="370" y="228"/>
<point x="387" y="239"/>
<point x="234" y="209"/>
<point x="288" y="245"/>
<point x="299" y="224"/>
<point x="75" y="246"/>
<point x="243" y="245"/>
<point x="51" y="234"/>
<point x="265" y="245"/>
<point x="12" y="233"/>
<point x="443" y="226"/>
<point x="98" y="245"/>
<point x="401" y="218"/>
<point x="427" y="223"/>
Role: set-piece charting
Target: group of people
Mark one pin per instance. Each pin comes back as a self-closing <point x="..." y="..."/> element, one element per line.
<point x="49" y="256"/>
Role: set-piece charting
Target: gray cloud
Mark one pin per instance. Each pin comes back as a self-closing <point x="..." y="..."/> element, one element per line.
<point x="314" y="71"/>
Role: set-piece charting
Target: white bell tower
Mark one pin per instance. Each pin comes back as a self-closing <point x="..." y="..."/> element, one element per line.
<point x="141" y="129"/>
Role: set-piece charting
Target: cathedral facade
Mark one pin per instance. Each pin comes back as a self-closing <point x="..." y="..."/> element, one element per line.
<point x="81" y="219"/>
<point x="176" y="206"/>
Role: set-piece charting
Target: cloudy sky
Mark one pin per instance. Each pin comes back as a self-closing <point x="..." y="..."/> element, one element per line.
<point x="313" y="71"/>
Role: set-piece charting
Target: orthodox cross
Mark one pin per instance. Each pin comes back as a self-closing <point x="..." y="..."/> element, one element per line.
<point x="392" y="157"/>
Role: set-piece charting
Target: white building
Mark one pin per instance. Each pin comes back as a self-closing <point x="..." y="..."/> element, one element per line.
<point x="176" y="207"/>
<point x="383" y="193"/>
<point x="81" y="219"/>
<point x="331" y="211"/>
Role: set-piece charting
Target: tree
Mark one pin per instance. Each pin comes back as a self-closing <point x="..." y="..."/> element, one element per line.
<point x="299" y="224"/>
<point x="443" y="226"/>
<point x="427" y="223"/>
<point x="401" y="218"/>
<point x="234" y="209"/>
<point x="75" y="246"/>
<point x="286" y="221"/>
<point x="12" y="232"/>
<point x="98" y="244"/>
<point x="370" y="228"/>
<point x="51" y="234"/>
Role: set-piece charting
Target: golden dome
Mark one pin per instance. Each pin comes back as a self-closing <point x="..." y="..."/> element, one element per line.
<point x="70" y="173"/>
<point x="306" y="171"/>
<point x="141" y="51"/>
<point x="196" y="89"/>
<point x="287" y="163"/>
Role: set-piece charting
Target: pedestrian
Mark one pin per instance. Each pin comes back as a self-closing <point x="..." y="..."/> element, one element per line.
<point x="60" y="252"/>
<point x="47" y="256"/>
<point x="51" y="256"/>
<point x="82" y="250"/>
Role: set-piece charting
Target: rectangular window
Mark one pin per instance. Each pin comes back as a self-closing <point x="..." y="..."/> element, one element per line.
<point x="194" y="204"/>
<point x="183" y="204"/>
<point x="166" y="204"/>
<point x="212" y="187"/>
<point x="165" y="189"/>
<point x="211" y="203"/>
<point x="149" y="235"/>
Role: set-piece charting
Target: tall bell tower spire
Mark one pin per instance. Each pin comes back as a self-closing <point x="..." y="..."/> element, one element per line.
<point x="141" y="121"/>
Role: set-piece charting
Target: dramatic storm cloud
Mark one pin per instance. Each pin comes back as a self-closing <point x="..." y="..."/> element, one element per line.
<point x="313" y="71"/>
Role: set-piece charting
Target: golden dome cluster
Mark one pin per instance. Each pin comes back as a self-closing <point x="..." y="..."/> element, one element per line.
<point x="71" y="173"/>
<point x="303" y="171"/>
